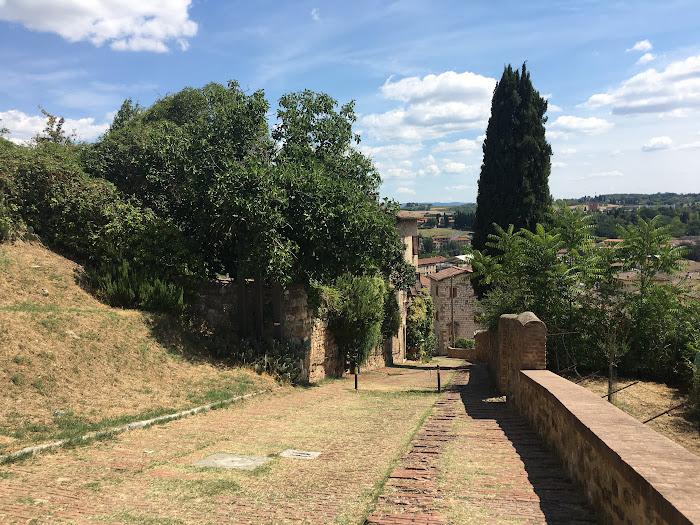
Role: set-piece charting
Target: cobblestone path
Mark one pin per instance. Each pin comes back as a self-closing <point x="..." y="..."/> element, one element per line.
<point x="475" y="461"/>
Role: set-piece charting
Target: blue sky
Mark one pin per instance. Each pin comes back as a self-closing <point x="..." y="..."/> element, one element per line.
<point x="622" y="77"/>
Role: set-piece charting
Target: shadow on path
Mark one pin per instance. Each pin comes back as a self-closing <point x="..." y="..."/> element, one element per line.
<point x="501" y="437"/>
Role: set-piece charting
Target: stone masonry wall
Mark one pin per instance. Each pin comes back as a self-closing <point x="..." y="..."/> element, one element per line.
<point x="218" y="305"/>
<point x="629" y="473"/>
<point x="460" y="308"/>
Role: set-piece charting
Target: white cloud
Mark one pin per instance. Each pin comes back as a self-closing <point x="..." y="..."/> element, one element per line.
<point x="459" y="187"/>
<point x="690" y="145"/>
<point x="657" y="144"/>
<point x="646" y="57"/>
<point x="393" y="151"/>
<point x="431" y="170"/>
<point x="433" y="106"/>
<point x="552" y="108"/>
<point x="455" y="167"/>
<point x="600" y="175"/>
<point x="397" y="173"/>
<point x="404" y="190"/>
<point x="23" y="127"/>
<point x="569" y="124"/>
<point x="126" y="25"/>
<point x="565" y="151"/>
<point x="315" y="14"/>
<point x="668" y="92"/>
<point x="559" y="164"/>
<point x="642" y="46"/>
<point x="459" y="146"/>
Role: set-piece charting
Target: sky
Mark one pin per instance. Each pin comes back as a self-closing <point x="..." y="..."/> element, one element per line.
<point x="622" y="78"/>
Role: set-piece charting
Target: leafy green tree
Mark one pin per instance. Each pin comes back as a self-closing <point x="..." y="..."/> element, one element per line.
<point x="314" y="134"/>
<point x="428" y="245"/>
<point x="665" y="335"/>
<point x="185" y="156"/>
<point x="420" y="333"/>
<point x="513" y="185"/>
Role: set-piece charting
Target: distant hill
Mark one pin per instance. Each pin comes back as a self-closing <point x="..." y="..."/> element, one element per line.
<point x="434" y="204"/>
<point x="639" y="199"/>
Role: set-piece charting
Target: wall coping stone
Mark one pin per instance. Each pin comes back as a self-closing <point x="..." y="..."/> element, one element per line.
<point x="663" y="472"/>
<point x="524" y="318"/>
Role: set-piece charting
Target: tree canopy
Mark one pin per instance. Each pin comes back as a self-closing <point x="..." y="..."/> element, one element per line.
<point x="513" y="185"/>
<point x="293" y="204"/>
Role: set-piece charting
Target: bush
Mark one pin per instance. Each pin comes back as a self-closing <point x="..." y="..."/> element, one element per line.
<point x="281" y="359"/>
<point x="420" y="336"/>
<point x="133" y="257"/>
<point x="462" y="342"/>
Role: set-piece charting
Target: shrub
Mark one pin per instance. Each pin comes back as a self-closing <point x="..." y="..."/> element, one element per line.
<point x="281" y="359"/>
<point x="420" y="335"/>
<point x="462" y="342"/>
<point x="134" y="257"/>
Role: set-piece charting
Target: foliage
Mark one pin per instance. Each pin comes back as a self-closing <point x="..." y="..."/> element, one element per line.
<point x="392" y="315"/>
<point x="576" y="289"/>
<point x="54" y="134"/>
<point x="513" y="185"/>
<point x="204" y="160"/>
<point x="280" y="359"/>
<point x="420" y="334"/>
<point x="91" y="220"/>
<point x="357" y="324"/>
<point x="314" y="135"/>
<point x="194" y="158"/>
<point x="462" y="342"/>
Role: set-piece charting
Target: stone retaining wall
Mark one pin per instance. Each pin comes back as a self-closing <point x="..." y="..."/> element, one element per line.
<point x="629" y="473"/>
<point x="218" y="306"/>
<point x="470" y="354"/>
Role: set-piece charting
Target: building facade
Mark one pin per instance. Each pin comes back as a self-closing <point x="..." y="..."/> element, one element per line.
<point x="455" y="306"/>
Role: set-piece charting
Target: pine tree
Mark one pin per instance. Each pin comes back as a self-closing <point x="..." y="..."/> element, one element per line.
<point x="513" y="185"/>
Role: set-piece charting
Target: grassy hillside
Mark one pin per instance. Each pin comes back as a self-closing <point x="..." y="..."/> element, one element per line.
<point x="69" y="364"/>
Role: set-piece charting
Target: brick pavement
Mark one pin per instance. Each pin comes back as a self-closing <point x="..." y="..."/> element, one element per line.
<point x="146" y="476"/>
<point x="480" y="461"/>
<point x="475" y="461"/>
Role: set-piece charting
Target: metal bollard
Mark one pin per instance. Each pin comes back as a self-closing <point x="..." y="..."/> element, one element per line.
<point x="356" y="378"/>
<point x="437" y="367"/>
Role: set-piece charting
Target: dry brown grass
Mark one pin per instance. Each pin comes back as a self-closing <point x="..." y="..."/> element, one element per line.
<point x="647" y="399"/>
<point x="62" y="350"/>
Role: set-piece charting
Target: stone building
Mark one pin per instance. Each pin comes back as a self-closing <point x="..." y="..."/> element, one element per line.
<point x="455" y="303"/>
<point x="430" y="265"/>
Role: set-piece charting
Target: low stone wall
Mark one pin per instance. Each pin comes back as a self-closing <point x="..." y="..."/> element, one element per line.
<point x="629" y="473"/>
<point x="470" y="354"/>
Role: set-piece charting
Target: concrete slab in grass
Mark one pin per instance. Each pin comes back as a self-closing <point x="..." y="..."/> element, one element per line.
<point x="299" y="454"/>
<point x="231" y="461"/>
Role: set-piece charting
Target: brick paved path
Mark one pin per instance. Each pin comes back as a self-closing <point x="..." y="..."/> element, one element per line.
<point x="476" y="461"/>
<point x="480" y="465"/>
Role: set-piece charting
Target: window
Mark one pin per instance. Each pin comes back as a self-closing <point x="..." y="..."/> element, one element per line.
<point x="454" y="292"/>
<point x="437" y="316"/>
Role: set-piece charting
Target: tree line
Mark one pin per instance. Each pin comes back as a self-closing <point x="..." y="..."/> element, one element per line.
<point x="200" y="184"/>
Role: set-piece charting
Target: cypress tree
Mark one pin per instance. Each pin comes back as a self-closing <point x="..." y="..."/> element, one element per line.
<point x="513" y="185"/>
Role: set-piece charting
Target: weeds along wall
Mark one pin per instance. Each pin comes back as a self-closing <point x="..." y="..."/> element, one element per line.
<point x="217" y="306"/>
